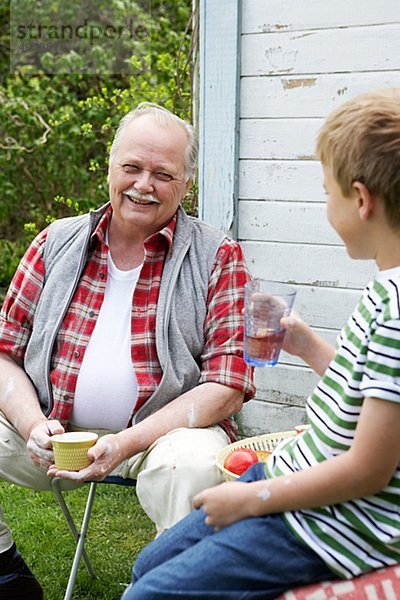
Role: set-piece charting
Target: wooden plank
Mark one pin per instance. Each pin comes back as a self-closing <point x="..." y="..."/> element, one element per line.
<point x="327" y="266"/>
<point x="300" y="59"/>
<point x="326" y="307"/>
<point x="280" y="180"/>
<point x="292" y="15"/>
<point x="218" y="123"/>
<point x="285" y="384"/>
<point x="303" y="222"/>
<point x="310" y="96"/>
<point x="289" y="139"/>
<point x="329" y="335"/>
<point x="325" y="51"/>
<point x="258" y="417"/>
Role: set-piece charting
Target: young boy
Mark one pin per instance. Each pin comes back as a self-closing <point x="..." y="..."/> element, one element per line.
<point x="327" y="504"/>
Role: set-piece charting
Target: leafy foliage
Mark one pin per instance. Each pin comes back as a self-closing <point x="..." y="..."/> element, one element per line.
<point x="56" y="123"/>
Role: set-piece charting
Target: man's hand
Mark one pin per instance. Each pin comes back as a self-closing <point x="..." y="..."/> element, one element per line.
<point x="106" y="455"/>
<point x="39" y="442"/>
<point x="225" y="503"/>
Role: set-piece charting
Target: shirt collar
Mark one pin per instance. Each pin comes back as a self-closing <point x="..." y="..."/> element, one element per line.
<point x="101" y="227"/>
<point x="166" y="233"/>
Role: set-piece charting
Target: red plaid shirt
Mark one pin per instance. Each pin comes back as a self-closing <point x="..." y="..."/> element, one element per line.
<point x="222" y="359"/>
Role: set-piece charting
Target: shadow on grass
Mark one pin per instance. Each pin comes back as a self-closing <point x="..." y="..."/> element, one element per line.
<point x="118" y="530"/>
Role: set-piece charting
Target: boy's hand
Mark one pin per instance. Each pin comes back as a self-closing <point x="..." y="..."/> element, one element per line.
<point x="300" y="340"/>
<point x="225" y="503"/>
<point x="298" y="335"/>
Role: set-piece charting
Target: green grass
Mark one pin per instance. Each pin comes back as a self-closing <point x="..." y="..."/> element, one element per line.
<point x="118" y="530"/>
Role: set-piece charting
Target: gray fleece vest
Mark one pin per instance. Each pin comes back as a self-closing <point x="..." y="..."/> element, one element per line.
<point x="181" y="309"/>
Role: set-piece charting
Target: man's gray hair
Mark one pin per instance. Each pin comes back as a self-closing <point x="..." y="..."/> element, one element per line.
<point x="163" y="117"/>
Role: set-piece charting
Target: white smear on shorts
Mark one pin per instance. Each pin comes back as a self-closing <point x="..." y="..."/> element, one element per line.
<point x="264" y="493"/>
<point x="191" y="416"/>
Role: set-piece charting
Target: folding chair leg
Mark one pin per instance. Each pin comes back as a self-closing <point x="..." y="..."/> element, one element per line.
<point x="79" y="537"/>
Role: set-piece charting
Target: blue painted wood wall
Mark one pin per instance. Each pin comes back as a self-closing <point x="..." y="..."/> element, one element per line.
<point x="219" y="112"/>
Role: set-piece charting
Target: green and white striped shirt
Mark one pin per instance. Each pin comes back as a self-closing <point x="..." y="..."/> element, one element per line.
<point x="363" y="534"/>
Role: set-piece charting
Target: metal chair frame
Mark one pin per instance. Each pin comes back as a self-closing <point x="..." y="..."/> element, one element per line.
<point x="79" y="533"/>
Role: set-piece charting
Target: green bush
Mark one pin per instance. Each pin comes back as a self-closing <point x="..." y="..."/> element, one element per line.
<point x="56" y="129"/>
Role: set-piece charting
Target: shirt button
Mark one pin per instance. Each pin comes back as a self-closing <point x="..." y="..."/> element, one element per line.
<point x="102" y="275"/>
<point x="66" y="397"/>
<point x="91" y="313"/>
<point x="76" y="354"/>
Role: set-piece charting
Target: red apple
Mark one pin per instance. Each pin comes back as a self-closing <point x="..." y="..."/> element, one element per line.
<point x="239" y="460"/>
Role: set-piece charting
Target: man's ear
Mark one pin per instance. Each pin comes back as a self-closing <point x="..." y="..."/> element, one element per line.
<point x="365" y="200"/>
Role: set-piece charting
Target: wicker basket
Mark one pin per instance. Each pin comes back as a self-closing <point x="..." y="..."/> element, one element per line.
<point x="267" y="442"/>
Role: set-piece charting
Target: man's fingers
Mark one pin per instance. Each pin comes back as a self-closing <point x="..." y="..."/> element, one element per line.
<point x="39" y="450"/>
<point x="42" y="433"/>
<point x="72" y="475"/>
<point x="103" y="447"/>
<point x="95" y="452"/>
<point x="40" y="438"/>
<point x="54" y="427"/>
<point x="79" y="476"/>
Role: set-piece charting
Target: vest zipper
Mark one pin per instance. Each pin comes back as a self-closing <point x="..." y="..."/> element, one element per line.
<point x="168" y="305"/>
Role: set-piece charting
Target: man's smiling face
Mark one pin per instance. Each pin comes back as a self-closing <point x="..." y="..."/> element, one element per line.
<point x="147" y="175"/>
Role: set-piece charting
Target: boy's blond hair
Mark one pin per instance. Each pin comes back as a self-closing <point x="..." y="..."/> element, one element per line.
<point x="360" y="141"/>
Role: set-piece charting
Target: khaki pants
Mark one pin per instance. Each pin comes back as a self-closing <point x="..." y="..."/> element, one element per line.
<point x="169" y="473"/>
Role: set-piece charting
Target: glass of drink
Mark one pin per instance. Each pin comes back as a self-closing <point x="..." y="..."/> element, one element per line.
<point x="266" y="302"/>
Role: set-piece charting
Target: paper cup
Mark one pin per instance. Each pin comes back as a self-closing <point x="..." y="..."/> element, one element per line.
<point x="70" y="449"/>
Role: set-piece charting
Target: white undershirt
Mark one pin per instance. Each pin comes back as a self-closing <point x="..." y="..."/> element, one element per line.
<point x="106" y="389"/>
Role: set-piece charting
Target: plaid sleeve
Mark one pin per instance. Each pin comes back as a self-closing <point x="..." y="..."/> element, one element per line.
<point x="17" y="312"/>
<point x="222" y="358"/>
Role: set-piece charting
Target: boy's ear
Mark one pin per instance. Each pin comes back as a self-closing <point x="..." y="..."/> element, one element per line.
<point x="365" y="200"/>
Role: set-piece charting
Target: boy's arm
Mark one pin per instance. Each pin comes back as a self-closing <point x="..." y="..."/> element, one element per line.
<point x="362" y="471"/>
<point x="300" y="340"/>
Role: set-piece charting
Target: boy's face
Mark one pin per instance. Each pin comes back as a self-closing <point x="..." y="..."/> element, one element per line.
<point x="343" y="215"/>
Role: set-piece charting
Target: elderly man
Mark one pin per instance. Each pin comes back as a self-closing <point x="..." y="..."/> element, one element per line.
<point x="127" y="321"/>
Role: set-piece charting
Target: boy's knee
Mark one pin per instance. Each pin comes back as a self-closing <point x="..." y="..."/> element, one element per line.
<point x="134" y="594"/>
<point x="141" y="590"/>
<point x="141" y="566"/>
